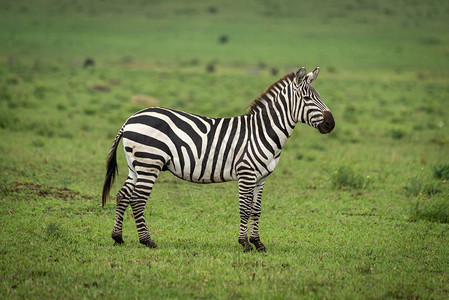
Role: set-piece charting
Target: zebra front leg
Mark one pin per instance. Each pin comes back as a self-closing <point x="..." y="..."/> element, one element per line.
<point x="255" y="215"/>
<point x="245" y="199"/>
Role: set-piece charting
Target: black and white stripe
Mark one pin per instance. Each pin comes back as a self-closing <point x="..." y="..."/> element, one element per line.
<point x="207" y="150"/>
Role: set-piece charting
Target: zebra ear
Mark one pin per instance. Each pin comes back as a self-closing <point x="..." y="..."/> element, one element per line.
<point x="300" y="75"/>
<point x="312" y="75"/>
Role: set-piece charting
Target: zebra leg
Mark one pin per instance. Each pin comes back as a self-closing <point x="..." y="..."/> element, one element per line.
<point x="146" y="176"/>
<point x="122" y="202"/>
<point x="255" y="215"/>
<point x="246" y="192"/>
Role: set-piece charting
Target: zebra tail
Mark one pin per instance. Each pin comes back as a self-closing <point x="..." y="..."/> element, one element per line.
<point x="111" y="167"/>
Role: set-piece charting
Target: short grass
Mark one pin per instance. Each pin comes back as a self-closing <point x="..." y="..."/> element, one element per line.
<point x="360" y="213"/>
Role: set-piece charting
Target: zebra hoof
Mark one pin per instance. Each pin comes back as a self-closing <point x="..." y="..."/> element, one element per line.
<point x="261" y="249"/>
<point x="118" y="240"/>
<point x="149" y="243"/>
<point x="258" y="244"/>
<point x="248" y="248"/>
<point x="246" y="245"/>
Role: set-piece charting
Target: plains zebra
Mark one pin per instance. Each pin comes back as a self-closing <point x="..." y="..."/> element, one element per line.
<point x="206" y="150"/>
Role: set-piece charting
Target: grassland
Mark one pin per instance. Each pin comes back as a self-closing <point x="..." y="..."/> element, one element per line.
<point x="360" y="213"/>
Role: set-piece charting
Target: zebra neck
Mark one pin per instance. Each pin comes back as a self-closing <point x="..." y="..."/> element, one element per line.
<point x="271" y="128"/>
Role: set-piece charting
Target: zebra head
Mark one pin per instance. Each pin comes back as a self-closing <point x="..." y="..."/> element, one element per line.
<point x="311" y="109"/>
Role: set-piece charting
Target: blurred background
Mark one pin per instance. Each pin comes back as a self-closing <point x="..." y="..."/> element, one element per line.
<point x="352" y="35"/>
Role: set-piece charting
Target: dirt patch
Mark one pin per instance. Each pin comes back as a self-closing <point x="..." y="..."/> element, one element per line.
<point x="47" y="191"/>
<point x="101" y="88"/>
<point x="145" y="99"/>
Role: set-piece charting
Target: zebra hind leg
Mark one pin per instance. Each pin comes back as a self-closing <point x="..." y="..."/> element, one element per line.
<point x="122" y="203"/>
<point x="138" y="202"/>
<point x="147" y="172"/>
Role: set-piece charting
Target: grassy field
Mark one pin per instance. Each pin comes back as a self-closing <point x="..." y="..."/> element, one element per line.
<point x="360" y="213"/>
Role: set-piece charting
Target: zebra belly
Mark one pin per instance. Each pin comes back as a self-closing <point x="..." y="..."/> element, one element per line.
<point x="202" y="173"/>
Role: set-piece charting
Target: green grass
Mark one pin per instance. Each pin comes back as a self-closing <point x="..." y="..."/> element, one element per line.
<point x="359" y="213"/>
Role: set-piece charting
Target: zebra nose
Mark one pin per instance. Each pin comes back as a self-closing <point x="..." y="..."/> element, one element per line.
<point x="328" y="123"/>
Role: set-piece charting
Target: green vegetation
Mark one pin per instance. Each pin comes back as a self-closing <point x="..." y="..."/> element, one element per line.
<point x="360" y="213"/>
<point x="346" y="177"/>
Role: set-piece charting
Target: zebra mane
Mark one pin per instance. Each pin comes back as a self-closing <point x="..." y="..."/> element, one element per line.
<point x="271" y="90"/>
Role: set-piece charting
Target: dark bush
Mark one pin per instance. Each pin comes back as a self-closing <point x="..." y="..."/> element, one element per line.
<point x="441" y="171"/>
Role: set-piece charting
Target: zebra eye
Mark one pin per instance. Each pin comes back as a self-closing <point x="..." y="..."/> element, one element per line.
<point x="307" y="98"/>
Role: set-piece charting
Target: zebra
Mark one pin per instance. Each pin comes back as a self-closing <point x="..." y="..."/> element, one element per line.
<point x="200" y="149"/>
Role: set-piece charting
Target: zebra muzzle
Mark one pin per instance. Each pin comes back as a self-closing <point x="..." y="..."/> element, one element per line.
<point x="328" y="123"/>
